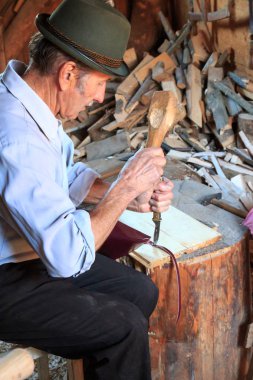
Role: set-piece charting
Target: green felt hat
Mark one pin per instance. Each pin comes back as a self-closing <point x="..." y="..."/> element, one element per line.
<point x="90" y="31"/>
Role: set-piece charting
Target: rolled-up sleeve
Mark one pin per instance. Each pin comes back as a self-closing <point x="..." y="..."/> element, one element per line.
<point x="80" y="176"/>
<point x="41" y="210"/>
<point x="81" y="179"/>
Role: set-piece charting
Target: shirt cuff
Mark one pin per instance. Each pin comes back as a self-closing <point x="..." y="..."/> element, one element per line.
<point x="82" y="178"/>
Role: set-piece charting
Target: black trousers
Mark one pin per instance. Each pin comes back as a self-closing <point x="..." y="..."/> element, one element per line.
<point x="101" y="315"/>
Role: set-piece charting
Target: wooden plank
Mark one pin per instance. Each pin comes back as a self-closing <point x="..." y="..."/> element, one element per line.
<point x="179" y="232"/>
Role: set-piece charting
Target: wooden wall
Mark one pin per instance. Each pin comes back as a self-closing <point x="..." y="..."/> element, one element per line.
<point x="228" y="33"/>
<point x="17" y="25"/>
<point x="17" y="18"/>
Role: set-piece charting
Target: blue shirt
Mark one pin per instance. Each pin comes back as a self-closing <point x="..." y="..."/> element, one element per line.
<point x="40" y="186"/>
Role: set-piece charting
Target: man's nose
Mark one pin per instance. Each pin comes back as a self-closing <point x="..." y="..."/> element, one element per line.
<point x="100" y="94"/>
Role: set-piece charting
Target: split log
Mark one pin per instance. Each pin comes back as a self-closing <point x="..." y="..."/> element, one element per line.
<point x="186" y="54"/>
<point x="223" y="57"/>
<point x="203" y="173"/>
<point x="211" y="62"/>
<point x="137" y="140"/>
<point x="108" y="146"/>
<point x="130" y="58"/>
<point x="245" y="93"/>
<point x="199" y="163"/>
<point x="170" y="85"/>
<point x="243" y="156"/>
<point x="159" y="74"/>
<point x="144" y="71"/>
<point x="171" y="36"/>
<point x="180" y="78"/>
<point x="146" y="98"/>
<point x="246" y="142"/>
<point x="245" y="124"/>
<point x="195" y="144"/>
<point x="227" y="138"/>
<point x="194" y="94"/>
<point x="180" y="38"/>
<point x="200" y="48"/>
<point x="74" y="125"/>
<point x="228" y="92"/>
<point x="235" y="168"/>
<point x="215" y="104"/>
<point x="214" y="74"/>
<point x="120" y="113"/>
<point x="134" y="101"/>
<point x="242" y="82"/>
<point x="232" y="107"/>
<point x="101" y="108"/>
<point x="130" y="83"/>
<point x="128" y="123"/>
<point x="164" y="46"/>
<point x="94" y="130"/>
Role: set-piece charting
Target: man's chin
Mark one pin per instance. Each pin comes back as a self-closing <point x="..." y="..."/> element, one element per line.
<point x="67" y="117"/>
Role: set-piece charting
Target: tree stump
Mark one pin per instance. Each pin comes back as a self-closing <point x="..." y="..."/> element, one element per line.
<point x="209" y="339"/>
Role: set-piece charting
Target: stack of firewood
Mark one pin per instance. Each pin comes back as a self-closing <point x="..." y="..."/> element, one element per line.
<point x="213" y="135"/>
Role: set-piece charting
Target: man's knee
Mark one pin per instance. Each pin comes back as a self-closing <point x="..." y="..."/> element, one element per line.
<point x="146" y="293"/>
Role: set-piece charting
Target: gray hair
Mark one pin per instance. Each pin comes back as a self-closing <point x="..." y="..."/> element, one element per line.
<point x="46" y="57"/>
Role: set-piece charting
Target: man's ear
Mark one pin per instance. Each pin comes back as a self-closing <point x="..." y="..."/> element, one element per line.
<point x="67" y="75"/>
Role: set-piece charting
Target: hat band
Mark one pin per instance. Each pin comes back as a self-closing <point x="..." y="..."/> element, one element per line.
<point x="99" y="58"/>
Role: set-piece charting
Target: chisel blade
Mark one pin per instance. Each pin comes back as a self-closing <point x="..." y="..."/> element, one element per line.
<point x="157" y="220"/>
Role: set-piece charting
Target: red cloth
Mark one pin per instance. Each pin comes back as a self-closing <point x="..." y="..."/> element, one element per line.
<point x="121" y="240"/>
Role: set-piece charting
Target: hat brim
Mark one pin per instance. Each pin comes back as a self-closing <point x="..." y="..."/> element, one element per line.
<point x="47" y="31"/>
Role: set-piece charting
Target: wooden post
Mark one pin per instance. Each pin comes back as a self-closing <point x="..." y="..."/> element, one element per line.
<point x="2" y="50"/>
<point x="75" y="369"/>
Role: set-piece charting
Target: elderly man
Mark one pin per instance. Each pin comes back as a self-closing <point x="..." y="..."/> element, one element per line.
<point x="56" y="293"/>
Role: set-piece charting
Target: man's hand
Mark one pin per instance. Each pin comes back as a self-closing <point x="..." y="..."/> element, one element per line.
<point x="138" y="185"/>
<point x="157" y="200"/>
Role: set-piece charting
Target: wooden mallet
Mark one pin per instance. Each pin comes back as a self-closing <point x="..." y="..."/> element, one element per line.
<point x="164" y="112"/>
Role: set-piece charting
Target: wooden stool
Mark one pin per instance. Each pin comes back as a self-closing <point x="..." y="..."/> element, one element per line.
<point x="18" y="364"/>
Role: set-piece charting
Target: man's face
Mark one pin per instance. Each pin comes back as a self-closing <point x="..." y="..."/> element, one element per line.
<point x="87" y="89"/>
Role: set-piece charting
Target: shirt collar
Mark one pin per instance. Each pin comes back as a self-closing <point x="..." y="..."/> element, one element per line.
<point x="34" y="105"/>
